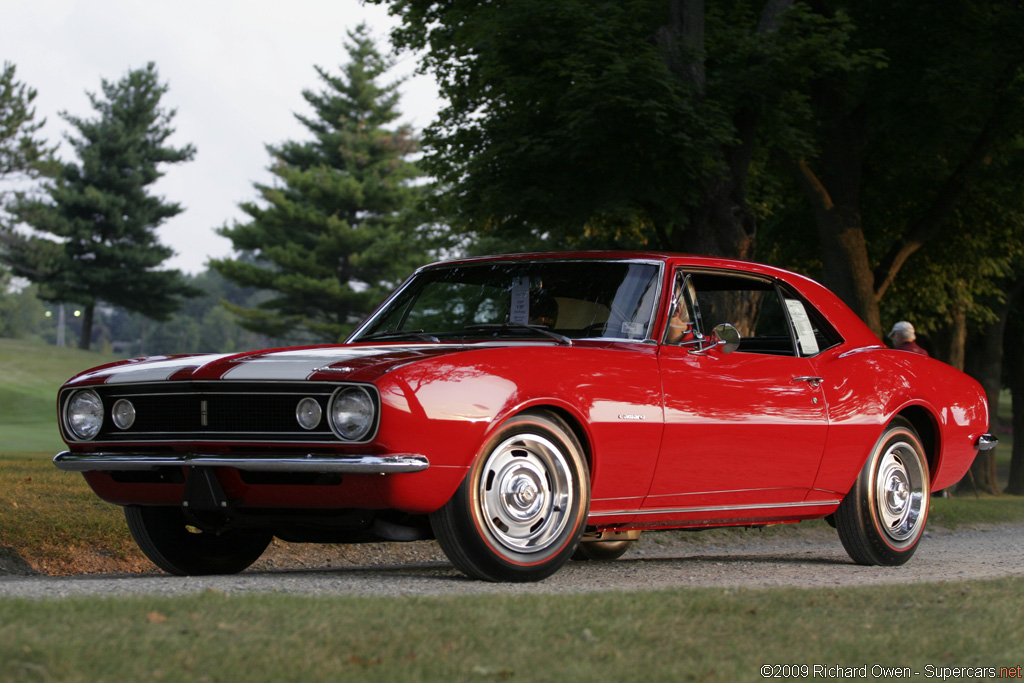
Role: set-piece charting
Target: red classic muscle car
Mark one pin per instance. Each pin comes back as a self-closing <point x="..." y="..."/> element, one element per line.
<point x="527" y="409"/>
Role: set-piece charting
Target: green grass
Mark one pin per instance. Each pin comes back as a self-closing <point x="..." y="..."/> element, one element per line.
<point x="53" y="520"/>
<point x="966" y="510"/>
<point x="677" y="635"/>
<point x="30" y="375"/>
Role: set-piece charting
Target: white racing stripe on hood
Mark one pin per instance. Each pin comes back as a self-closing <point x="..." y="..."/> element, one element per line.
<point x="289" y="365"/>
<point x="149" y="371"/>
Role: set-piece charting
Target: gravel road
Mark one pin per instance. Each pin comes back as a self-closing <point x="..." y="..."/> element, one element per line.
<point x="792" y="557"/>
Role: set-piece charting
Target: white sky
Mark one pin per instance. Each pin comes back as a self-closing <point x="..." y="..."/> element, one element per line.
<point x="235" y="70"/>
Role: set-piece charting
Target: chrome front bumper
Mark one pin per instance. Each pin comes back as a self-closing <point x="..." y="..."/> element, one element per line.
<point x="360" y="464"/>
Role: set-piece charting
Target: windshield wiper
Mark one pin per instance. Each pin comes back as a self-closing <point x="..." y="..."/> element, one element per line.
<point x="390" y="334"/>
<point x="522" y="327"/>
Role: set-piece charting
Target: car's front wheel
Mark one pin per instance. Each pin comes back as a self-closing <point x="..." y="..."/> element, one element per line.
<point x="882" y="518"/>
<point x="165" y="537"/>
<point x="519" y="513"/>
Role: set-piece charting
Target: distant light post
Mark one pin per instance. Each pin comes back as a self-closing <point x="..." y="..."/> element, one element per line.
<point x="60" y="325"/>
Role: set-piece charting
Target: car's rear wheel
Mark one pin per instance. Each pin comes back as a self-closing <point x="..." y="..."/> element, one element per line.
<point x="166" y="538"/>
<point x="882" y="518"/>
<point x="519" y="513"/>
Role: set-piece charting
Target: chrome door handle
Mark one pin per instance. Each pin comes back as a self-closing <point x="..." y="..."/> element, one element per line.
<point x="813" y="381"/>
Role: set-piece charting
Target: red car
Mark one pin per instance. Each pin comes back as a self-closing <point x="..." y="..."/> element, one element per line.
<point x="527" y="409"/>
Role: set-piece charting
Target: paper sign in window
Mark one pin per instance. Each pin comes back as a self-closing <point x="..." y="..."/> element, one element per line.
<point x="803" y="326"/>
<point x="520" y="310"/>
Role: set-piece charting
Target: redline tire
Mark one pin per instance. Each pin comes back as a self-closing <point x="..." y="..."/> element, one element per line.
<point x="519" y="513"/>
<point x="882" y="518"/>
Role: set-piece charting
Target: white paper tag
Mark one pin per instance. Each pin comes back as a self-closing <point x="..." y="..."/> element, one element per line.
<point x="804" y="329"/>
<point x="519" y="313"/>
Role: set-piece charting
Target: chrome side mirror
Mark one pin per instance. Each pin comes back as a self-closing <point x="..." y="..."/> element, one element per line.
<point x="727" y="337"/>
<point x="724" y="337"/>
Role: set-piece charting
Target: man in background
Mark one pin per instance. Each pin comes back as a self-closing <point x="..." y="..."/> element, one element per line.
<point x="903" y="337"/>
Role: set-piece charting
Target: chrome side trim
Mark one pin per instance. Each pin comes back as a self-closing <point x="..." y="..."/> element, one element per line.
<point x="986" y="442"/>
<point x="358" y="464"/>
<point x="719" y="508"/>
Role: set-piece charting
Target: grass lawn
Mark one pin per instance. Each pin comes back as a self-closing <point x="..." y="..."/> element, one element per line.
<point x="676" y="635"/>
<point x="30" y="375"/>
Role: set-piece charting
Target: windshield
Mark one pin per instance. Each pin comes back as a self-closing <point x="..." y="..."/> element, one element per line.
<point x="561" y="299"/>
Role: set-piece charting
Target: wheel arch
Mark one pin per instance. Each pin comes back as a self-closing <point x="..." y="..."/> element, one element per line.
<point x="927" y="429"/>
<point x="573" y="422"/>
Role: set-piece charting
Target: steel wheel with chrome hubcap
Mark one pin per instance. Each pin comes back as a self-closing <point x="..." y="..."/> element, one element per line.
<point x="881" y="519"/>
<point x="519" y="513"/>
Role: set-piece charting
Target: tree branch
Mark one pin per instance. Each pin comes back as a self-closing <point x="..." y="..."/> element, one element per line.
<point x="931" y="222"/>
<point x="816" y="190"/>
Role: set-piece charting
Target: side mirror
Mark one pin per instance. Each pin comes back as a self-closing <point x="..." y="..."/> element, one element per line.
<point x="727" y="337"/>
<point x="724" y="337"/>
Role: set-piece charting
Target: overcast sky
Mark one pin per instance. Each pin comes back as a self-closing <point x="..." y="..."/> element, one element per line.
<point x="235" y="70"/>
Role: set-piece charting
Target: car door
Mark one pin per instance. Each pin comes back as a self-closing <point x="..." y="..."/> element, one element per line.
<point x="743" y="430"/>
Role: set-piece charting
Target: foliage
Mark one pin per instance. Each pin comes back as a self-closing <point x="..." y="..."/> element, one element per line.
<point x="22" y="314"/>
<point x="599" y="124"/>
<point x="23" y="157"/>
<point x="203" y="325"/>
<point x="898" y="165"/>
<point x="22" y="154"/>
<point x="339" y="229"/>
<point x="95" y="235"/>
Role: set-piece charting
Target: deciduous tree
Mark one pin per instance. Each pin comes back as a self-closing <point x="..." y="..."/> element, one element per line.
<point x="630" y="123"/>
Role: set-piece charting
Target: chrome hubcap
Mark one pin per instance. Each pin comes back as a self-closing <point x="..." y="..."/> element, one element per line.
<point x="525" y="493"/>
<point x="900" y="492"/>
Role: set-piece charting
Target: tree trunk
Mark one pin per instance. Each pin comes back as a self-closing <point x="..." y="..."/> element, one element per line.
<point x="723" y="224"/>
<point x="984" y="362"/>
<point x="834" y="191"/>
<point x="844" y="251"/>
<point x="835" y="196"/>
<point x="1014" y="373"/>
<point x="86" y="339"/>
<point x="1015" y="359"/>
<point x="950" y="342"/>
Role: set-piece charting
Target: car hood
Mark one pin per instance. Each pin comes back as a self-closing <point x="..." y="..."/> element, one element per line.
<point x="340" y="362"/>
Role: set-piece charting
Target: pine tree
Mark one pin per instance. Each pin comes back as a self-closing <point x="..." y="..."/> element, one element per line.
<point x="22" y="154"/>
<point x="337" y="230"/>
<point x="101" y="218"/>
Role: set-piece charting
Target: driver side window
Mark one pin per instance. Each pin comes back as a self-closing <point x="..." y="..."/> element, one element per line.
<point x="753" y="305"/>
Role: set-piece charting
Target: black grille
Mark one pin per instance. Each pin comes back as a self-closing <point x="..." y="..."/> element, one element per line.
<point x="216" y="411"/>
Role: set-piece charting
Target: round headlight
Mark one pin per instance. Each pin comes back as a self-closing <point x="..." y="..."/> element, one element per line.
<point x="83" y="414"/>
<point x="352" y="413"/>
<point x="308" y="413"/>
<point x="123" y="414"/>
